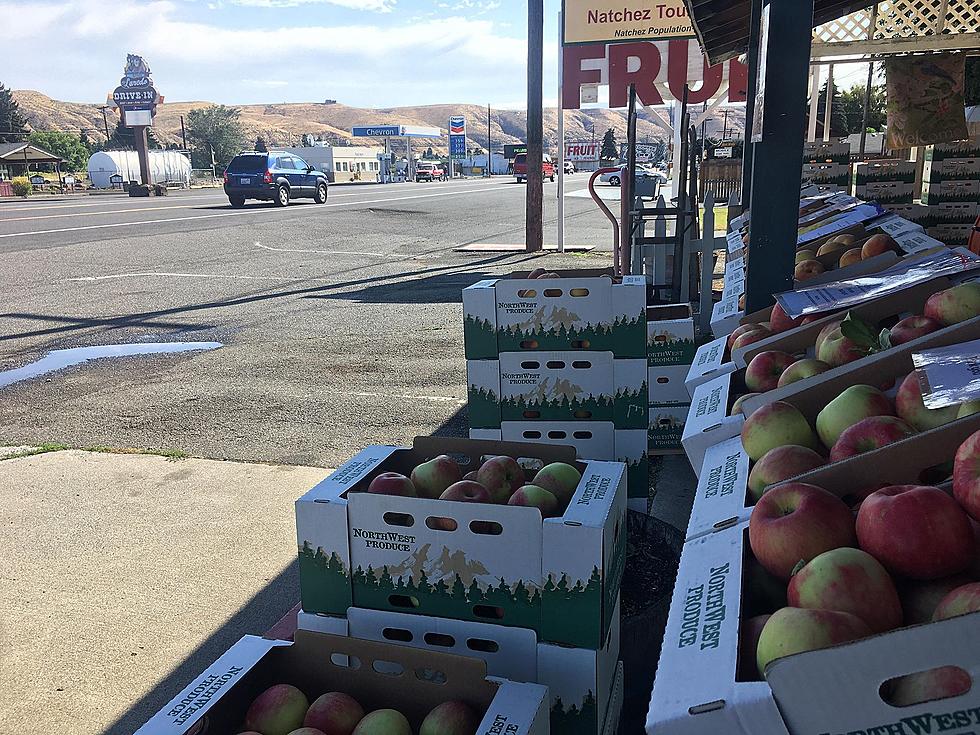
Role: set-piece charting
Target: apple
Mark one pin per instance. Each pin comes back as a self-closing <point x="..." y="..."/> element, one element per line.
<point x="850" y="257"/>
<point x="848" y="580"/>
<point x="955" y="305"/>
<point x="845" y="239"/>
<point x="741" y="302"/>
<point x="966" y="475"/>
<point x="912" y="327"/>
<point x="466" y="491"/>
<point x="794" y="630"/>
<point x="739" y="331"/>
<point x="334" y="713"/>
<point x="550" y="274"/>
<point x="856" y="402"/>
<point x="968" y="409"/>
<point x="781" y="463"/>
<point x="808" y="269"/>
<point x="909" y="406"/>
<point x="433" y="477"/>
<point x="560" y="479"/>
<point x="812" y="318"/>
<point x="824" y="332"/>
<point x="869" y="434"/>
<point x="532" y="496"/>
<point x="801" y="370"/>
<point x="310" y="731"/>
<point x="774" y="425"/>
<point x="536" y="273"/>
<point x="502" y="476"/>
<point x="753" y="335"/>
<point x="802" y="255"/>
<point x="451" y="718"/>
<point x="277" y="711"/>
<point x="796" y="522"/>
<point x="470" y="476"/>
<point x="962" y="600"/>
<point x="779" y="320"/>
<point x="925" y="686"/>
<point x="737" y="406"/>
<point x="392" y="483"/>
<point x="383" y="722"/>
<point x="763" y="371"/>
<point x="878" y="244"/>
<point x="831" y="246"/>
<point x="920" y="598"/>
<point x="917" y="531"/>
<point x="748" y="643"/>
<point x="835" y="349"/>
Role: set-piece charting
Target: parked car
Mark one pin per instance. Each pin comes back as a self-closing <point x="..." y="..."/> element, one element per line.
<point x="428" y="171"/>
<point x="275" y="176"/>
<point x="615" y="178"/>
<point x="569" y="167"/>
<point x="520" y="167"/>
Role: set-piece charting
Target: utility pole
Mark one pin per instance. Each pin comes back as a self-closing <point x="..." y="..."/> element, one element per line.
<point x="534" y="236"/>
<point x="105" y="121"/>
<point x="489" y="147"/>
<point x="183" y="133"/>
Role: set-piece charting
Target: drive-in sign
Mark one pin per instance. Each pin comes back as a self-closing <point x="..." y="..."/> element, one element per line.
<point x="135" y="90"/>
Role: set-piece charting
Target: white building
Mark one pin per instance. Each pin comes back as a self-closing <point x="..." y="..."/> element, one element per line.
<point x="343" y="163"/>
<point x="166" y="167"/>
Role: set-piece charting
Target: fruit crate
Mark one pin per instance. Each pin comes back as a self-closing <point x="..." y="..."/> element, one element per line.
<point x="580" y="681"/>
<point x="378" y="675"/>
<point x="501" y="563"/>
<point x="580" y="310"/>
<point x="670" y="335"/>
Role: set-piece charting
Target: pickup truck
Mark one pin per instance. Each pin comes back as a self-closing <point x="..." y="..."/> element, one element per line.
<point x="520" y="167"/>
<point x="426" y="171"/>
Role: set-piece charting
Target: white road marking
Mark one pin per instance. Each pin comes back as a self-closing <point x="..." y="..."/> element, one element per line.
<point x="240" y="212"/>
<point x="115" y="276"/>
<point x="333" y="252"/>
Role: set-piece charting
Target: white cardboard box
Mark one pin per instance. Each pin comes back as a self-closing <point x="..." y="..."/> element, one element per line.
<point x="666" y="427"/>
<point x="720" y="498"/>
<point x="708" y="421"/>
<point x="709" y="363"/>
<point x="670" y="335"/>
<point x="666" y="384"/>
<point x="725" y="316"/>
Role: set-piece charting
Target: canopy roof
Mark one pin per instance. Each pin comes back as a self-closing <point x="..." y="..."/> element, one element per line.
<point x="21" y="152"/>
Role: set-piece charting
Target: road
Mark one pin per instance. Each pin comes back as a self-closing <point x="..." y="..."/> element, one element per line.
<point x="340" y="323"/>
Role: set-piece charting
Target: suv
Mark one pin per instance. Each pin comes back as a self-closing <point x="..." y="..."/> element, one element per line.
<point x="276" y="176"/>
<point x="428" y="171"/>
<point x="520" y="167"/>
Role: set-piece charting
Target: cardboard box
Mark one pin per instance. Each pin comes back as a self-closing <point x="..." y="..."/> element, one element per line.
<point x="951" y="169"/>
<point x="384" y="676"/>
<point x="559" y="577"/>
<point x="709" y="363"/>
<point x="886" y="170"/>
<point x="819" y="152"/>
<point x="720" y="499"/>
<point x="733" y="290"/>
<point x="828" y="173"/>
<point x="969" y="148"/>
<point x="666" y="428"/>
<point x="699" y="688"/>
<point x="912" y="212"/>
<point x="708" y="421"/>
<point x="725" y="316"/>
<point x="584" y="309"/>
<point x="580" y="681"/>
<point x="952" y="235"/>
<point x="667" y="384"/>
<point x="960" y="190"/>
<point x="557" y="386"/>
<point x="887" y="192"/>
<point x="670" y="335"/>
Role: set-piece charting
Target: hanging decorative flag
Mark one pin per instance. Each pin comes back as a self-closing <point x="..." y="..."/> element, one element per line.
<point x="925" y="100"/>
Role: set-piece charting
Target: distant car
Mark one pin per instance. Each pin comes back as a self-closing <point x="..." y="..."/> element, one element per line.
<point x="569" y="167"/>
<point x="520" y="167"/>
<point x="615" y="178"/>
<point x="276" y="176"/>
<point x="428" y="171"/>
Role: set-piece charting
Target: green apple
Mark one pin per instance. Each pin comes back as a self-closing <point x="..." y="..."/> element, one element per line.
<point x="560" y="479"/>
<point x="855" y="403"/>
<point x="793" y="630"/>
<point x="775" y="425"/>
<point x="277" y="711"/>
<point x="383" y="722"/>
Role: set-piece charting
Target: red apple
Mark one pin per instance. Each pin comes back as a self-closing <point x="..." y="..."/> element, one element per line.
<point x="748" y="643"/>
<point x="920" y="598"/>
<point x="835" y="349"/>
<point x="795" y="522"/>
<point x="451" y="718"/>
<point x="909" y="406"/>
<point x="848" y="580"/>
<point x="912" y="327"/>
<point x="966" y="475"/>
<point x="962" y="600"/>
<point x="955" y="305"/>
<point x="774" y="425"/>
<point x="384" y="722"/>
<point x="801" y="370"/>
<point x="334" y="713"/>
<point x="502" y="476"/>
<point x="926" y="686"/>
<point x="850" y="257"/>
<point x="739" y="331"/>
<point x="433" y="477"/>
<point x="793" y="630"/>
<point x="466" y="491"/>
<point x="877" y="245"/>
<point x="780" y="322"/>
<point x="392" y="483"/>
<point x="308" y="731"/>
<point x="781" y="463"/>
<point x="532" y="496"/>
<point x="536" y="273"/>
<point x="561" y="479"/>
<point x="869" y="434"/>
<point x="855" y="403"/>
<point x="917" y="531"/>
<point x="737" y="406"/>
<point x="808" y="269"/>
<point x="763" y="371"/>
<point x="277" y="711"/>
<point x="753" y="335"/>
<point x="470" y="476"/>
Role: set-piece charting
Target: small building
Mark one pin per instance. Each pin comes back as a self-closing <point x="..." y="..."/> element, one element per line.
<point x="16" y="159"/>
<point x="343" y="163"/>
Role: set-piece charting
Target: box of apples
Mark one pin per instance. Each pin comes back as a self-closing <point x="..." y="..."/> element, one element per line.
<point x="580" y="681"/>
<point x="333" y="685"/>
<point x="847" y="604"/>
<point x="517" y="534"/>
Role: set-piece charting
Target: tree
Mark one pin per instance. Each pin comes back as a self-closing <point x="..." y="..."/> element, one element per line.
<point x="12" y="122"/>
<point x="838" y="122"/>
<point x="851" y="104"/>
<point x="260" y="145"/>
<point x="218" y="128"/>
<point x="64" y="145"/>
<point x="124" y="138"/>
<point x="609" y="151"/>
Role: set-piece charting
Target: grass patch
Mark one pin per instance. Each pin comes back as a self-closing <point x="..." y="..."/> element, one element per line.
<point x="171" y="454"/>
<point x="41" y="449"/>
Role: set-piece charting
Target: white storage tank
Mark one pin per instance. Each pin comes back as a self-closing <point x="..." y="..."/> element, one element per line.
<point x="165" y="167"/>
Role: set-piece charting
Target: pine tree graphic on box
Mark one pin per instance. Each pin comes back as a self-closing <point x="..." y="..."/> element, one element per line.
<point x="483" y="407"/>
<point x="557" y="330"/>
<point x="479" y="338"/>
<point x="325" y="586"/>
<point x="576" y="718"/>
<point x="662" y="350"/>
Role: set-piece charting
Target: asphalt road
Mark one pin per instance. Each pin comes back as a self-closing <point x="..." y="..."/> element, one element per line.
<point x="341" y="323"/>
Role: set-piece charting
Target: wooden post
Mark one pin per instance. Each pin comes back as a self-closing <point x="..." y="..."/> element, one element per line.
<point x="707" y="252"/>
<point x="534" y="235"/>
<point x="143" y="152"/>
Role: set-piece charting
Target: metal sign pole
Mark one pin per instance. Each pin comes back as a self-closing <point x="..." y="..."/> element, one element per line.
<point x="561" y="150"/>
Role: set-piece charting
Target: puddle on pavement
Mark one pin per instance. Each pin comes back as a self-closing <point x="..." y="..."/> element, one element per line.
<point x="61" y="359"/>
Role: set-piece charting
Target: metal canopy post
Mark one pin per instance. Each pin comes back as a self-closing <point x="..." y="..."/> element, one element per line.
<point x="533" y="225"/>
<point x="778" y="157"/>
<point x="753" y="67"/>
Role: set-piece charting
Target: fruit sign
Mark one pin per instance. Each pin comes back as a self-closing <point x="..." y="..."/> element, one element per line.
<point x="659" y="70"/>
<point x="587" y="151"/>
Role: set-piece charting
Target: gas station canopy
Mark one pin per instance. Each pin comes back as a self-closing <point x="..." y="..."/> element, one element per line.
<point x="395" y="131"/>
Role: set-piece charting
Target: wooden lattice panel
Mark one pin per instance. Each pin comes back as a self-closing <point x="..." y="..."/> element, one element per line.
<point x="851" y="27"/>
<point x="904" y="19"/>
<point x="963" y="16"/>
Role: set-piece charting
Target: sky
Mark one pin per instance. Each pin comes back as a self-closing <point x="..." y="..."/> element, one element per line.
<point x="364" y="53"/>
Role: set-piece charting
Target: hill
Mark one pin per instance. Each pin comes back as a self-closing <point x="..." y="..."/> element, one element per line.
<point x="286" y="123"/>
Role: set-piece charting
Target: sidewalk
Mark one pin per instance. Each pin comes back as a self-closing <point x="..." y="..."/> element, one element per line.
<point x="122" y="576"/>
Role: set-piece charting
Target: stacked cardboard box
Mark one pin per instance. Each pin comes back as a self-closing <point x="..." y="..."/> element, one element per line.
<point x="561" y="360"/>
<point x="670" y="352"/>
<point x="827" y="166"/>
<point x="951" y="190"/>
<point x="888" y="182"/>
